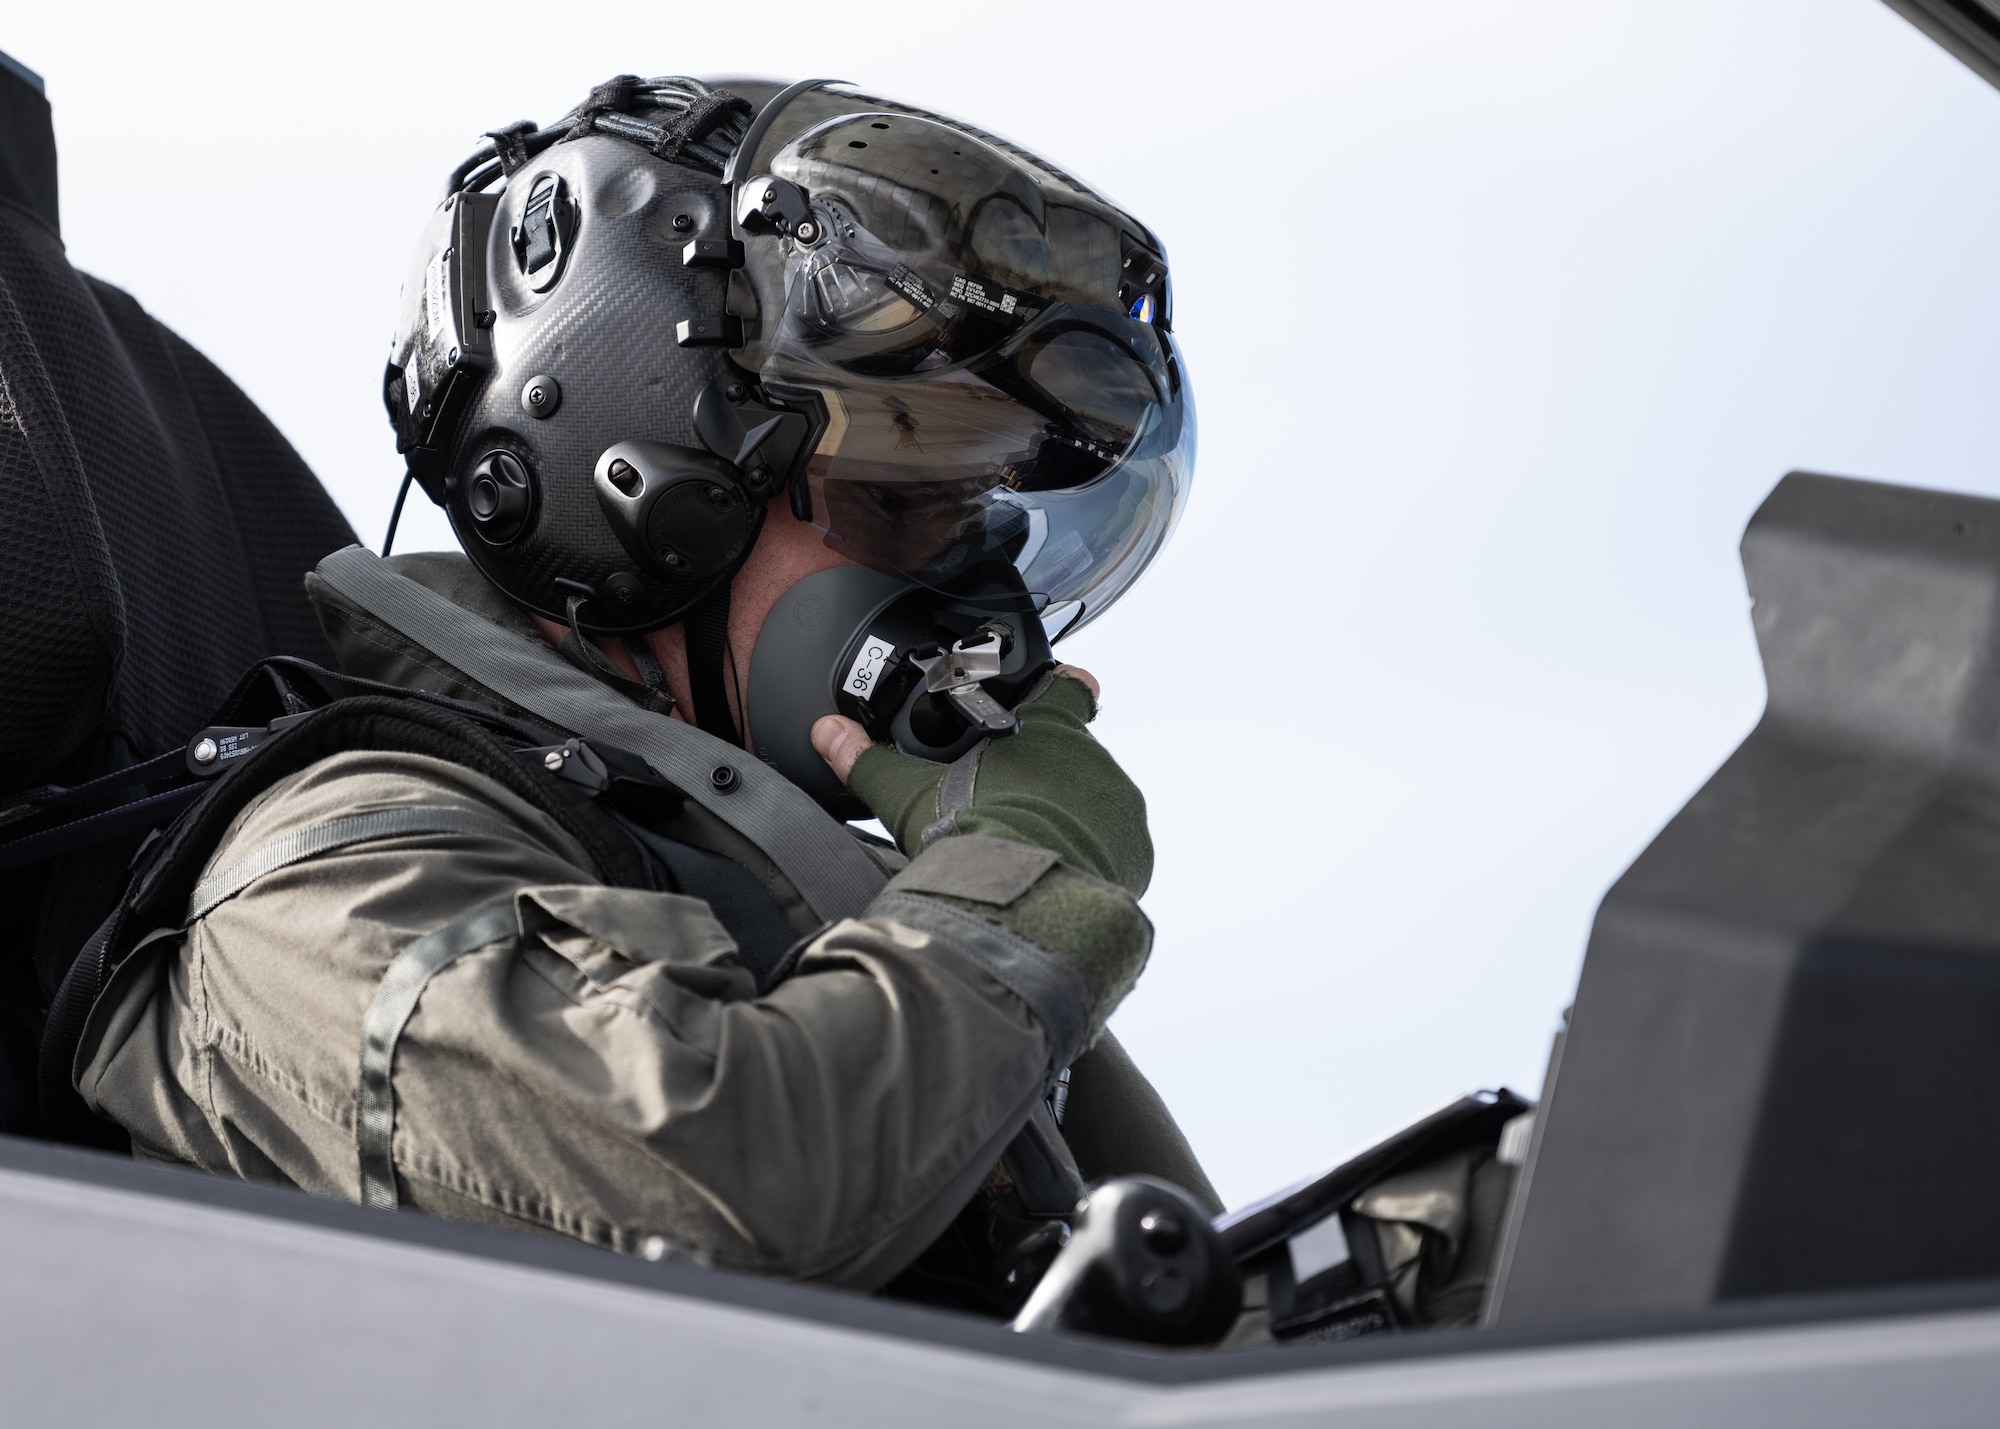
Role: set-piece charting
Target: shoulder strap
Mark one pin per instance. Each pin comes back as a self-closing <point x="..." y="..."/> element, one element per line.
<point x="818" y="854"/>
<point x="168" y="885"/>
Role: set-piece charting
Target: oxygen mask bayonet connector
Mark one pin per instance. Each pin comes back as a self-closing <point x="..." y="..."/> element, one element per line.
<point x="959" y="675"/>
<point x="930" y="672"/>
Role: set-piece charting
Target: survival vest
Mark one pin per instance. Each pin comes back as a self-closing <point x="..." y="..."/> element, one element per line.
<point x="287" y="715"/>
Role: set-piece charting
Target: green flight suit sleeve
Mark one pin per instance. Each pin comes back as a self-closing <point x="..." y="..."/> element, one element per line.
<point x="601" y="1067"/>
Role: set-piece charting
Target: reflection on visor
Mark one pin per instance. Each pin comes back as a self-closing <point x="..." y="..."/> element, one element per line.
<point x="1002" y="414"/>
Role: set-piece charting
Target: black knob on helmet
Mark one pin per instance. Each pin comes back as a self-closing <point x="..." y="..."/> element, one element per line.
<point x="500" y="496"/>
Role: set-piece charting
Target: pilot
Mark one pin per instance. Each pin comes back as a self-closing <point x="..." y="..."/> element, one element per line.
<point x="780" y="428"/>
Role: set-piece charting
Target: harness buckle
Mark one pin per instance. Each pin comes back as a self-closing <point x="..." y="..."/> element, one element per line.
<point x="218" y="744"/>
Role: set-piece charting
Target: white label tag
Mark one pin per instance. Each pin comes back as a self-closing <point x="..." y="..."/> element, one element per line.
<point x="435" y="294"/>
<point x="867" y="667"/>
<point x="1318" y="1248"/>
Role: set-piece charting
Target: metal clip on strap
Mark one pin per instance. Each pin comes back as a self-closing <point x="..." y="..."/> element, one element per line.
<point x="214" y="747"/>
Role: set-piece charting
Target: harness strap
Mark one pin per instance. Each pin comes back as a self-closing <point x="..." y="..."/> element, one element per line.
<point x="302" y="844"/>
<point x="659" y="701"/>
<point x="581" y="650"/>
<point x="49" y="796"/>
<point x="512" y="144"/>
<point x="816" y="853"/>
<point x="135" y="817"/>
<point x="382" y="1027"/>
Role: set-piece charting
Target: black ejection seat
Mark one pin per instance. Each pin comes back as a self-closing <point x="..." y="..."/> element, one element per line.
<point x="154" y="532"/>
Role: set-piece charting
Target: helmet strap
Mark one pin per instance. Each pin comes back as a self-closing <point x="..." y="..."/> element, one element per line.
<point x="580" y="650"/>
<point x="707" y="628"/>
<point x="650" y="673"/>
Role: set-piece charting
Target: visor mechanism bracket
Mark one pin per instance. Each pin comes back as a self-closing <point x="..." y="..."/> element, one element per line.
<point x="766" y="441"/>
<point x="774" y="205"/>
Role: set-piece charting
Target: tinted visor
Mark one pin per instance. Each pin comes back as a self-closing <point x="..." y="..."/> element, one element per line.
<point x="997" y="396"/>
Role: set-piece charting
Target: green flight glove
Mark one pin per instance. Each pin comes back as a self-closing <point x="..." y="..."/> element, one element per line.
<point x="973" y="829"/>
<point x="1049" y="784"/>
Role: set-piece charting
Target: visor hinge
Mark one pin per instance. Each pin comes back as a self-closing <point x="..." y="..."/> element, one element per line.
<point x="774" y="205"/>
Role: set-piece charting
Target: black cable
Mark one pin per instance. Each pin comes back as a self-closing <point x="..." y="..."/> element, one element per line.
<point x="736" y="683"/>
<point x="396" y="515"/>
<point x="485" y="153"/>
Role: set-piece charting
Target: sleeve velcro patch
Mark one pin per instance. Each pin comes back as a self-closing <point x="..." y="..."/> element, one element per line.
<point x="976" y="867"/>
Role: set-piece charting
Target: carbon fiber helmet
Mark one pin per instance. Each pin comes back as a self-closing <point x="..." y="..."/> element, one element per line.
<point x="623" y="335"/>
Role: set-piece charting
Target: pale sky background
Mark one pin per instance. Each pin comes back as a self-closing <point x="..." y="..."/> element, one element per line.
<point x="1503" y="316"/>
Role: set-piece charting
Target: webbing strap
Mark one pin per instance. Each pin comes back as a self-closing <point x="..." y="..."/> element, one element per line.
<point x="955" y="790"/>
<point x="814" y="851"/>
<point x="302" y="844"/>
<point x="99" y="828"/>
<point x="707" y="627"/>
<point x="48" y="796"/>
<point x="1053" y="990"/>
<point x="382" y="1027"/>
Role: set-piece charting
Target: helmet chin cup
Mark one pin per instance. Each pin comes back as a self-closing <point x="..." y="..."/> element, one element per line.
<point x="681" y="513"/>
<point x="848" y="641"/>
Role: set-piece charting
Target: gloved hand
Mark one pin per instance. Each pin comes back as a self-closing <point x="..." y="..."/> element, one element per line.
<point x="1049" y="784"/>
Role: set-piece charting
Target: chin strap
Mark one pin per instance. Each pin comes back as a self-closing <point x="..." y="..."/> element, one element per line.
<point x="650" y="673"/>
<point x="707" y="628"/>
<point x="580" y="650"/>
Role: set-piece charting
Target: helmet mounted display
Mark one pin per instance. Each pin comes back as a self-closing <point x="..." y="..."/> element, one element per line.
<point x="682" y="303"/>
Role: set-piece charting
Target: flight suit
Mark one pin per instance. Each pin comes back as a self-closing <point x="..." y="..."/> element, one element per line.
<point x="453" y="1009"/>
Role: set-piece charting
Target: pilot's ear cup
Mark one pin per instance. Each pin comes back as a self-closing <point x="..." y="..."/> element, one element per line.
<point x="795" y="670"/>
<point x="680" y="512"/>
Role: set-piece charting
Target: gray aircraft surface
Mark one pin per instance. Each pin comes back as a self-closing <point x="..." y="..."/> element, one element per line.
<point x="1758" y="1189"/>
